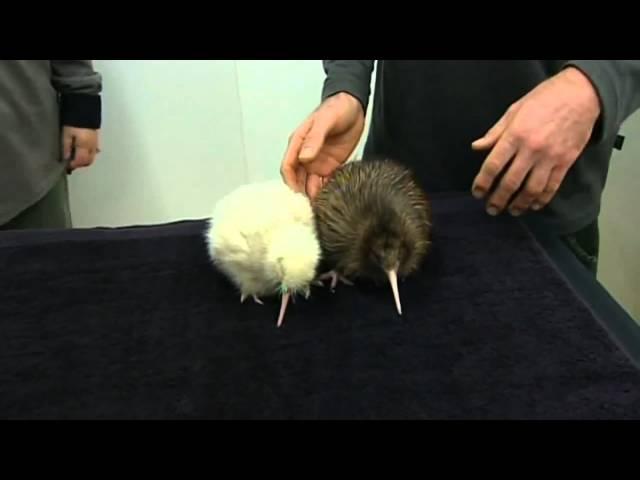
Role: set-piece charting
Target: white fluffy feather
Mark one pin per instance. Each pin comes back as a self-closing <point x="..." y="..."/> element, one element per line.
<point x="262" y="236"/>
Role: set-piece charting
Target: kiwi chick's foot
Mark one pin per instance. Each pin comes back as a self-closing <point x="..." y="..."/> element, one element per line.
<point x="243" y="297"/>
<point x="335" y="277"/>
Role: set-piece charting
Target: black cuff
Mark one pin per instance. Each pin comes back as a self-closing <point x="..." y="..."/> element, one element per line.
<point x="81" y="110"/>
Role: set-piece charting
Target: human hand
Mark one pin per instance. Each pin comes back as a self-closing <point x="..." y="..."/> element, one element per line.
<point x="544" y="133"/>
<point x="80" y="147"/>
<point x="322" y="143"/>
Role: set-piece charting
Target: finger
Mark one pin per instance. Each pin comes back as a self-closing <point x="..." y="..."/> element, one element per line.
<point x="288" y="169"/>
<point x="314" y="185"/>
<point x="301" y="178"/>
<point x="553" y="185"/>
<point x="535" y="185"/>
<point x="67" y="144"/>
<point x="92" y="157"/>
<point x="290" y="177"/>
<point x="82" y="158"/>
<point x="510" y="182"/>
<point x="501" y="154"/>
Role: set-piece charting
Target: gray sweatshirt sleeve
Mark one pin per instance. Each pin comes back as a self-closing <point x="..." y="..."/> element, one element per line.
<point x="79" y="87"/>
<point x="617" y="83"/>
<point x="350" y="76"/>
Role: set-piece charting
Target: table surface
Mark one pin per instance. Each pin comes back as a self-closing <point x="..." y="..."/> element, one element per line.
<point x="502" y="322"/>
<point x="622" y="328"/>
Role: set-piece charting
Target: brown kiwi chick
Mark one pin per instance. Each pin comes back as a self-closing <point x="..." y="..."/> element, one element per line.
<point x="373" y="222"/>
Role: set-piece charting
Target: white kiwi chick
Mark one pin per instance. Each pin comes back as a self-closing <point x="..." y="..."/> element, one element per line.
<point x="262" y="237"/>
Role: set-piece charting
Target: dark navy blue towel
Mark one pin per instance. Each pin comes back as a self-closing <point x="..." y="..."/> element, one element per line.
<point x="135" y="323"/>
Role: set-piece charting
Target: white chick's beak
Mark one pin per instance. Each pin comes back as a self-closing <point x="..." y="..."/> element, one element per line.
<point x="393" y="280"/>
<point x="283" y="307"/>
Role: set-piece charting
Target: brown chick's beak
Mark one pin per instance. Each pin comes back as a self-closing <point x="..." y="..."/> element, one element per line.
<point x="283" y="308"/>
<point x="393" y="280"/>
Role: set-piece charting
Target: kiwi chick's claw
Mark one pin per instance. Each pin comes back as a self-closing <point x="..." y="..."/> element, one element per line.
<point x="243" y="297"/>
<point x="335" y="278"/>
<point x="373" y="222"/>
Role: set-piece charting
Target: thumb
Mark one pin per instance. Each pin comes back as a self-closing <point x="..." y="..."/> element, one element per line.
<point x="315" y="137"/>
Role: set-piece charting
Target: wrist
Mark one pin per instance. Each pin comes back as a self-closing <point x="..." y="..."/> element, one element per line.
<point x="346" y="98"/>
<point x="588" y="92"/>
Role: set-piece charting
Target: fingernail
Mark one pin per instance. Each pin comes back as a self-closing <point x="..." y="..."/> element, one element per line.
<point x="493" y="211"/>
<point x="536" y="206"/>
<point x="306" y="150"/>
<point x="515" y="212"/>
<point x="477" y="193"/>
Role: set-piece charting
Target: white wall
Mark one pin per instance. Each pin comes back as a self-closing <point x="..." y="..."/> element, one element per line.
<point x="619" y="269"/>
<point x="172" y="143"/>
<point x="275" y="97"/>
<point x="179" y="134"/>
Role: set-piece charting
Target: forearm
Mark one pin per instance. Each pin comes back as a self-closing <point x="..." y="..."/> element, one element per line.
<point x="350" y="76"/>
<point x="79" y="86"/>
<point x="617" y="83"/>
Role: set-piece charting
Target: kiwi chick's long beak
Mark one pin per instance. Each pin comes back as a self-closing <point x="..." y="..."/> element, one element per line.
<point x="393" y="280"/>
<point x="283" y="307"/>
